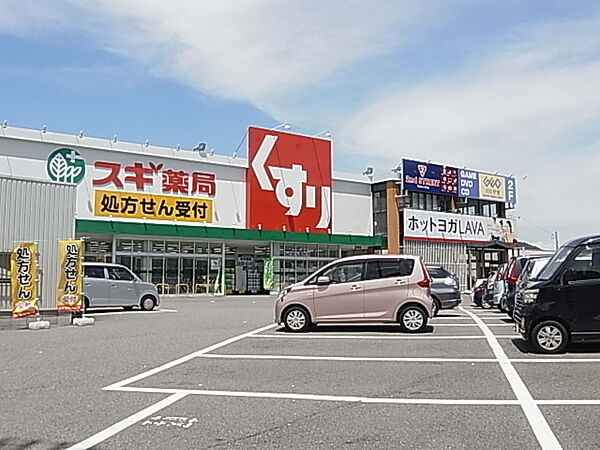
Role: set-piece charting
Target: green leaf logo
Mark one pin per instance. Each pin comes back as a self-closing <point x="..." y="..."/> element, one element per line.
<point x="66" y="165"/>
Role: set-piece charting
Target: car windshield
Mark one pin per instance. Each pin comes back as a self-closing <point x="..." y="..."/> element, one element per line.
<point x="555" y="262"/>
<point x="538" y="265"/>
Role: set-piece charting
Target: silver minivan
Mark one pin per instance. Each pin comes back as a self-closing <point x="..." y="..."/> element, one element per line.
<point x="360" y="289"/>
<point x="115" y="285"/>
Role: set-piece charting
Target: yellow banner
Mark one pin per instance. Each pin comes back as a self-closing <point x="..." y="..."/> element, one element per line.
<point x="133" y="205"/>
<point x="24" y="280"/>
<point x="70" y="280"/>
<point x="492" y="187"/>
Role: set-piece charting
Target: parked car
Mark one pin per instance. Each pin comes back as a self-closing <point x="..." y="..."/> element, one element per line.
<point x="560" y="304"/>
<point x="360" y="289"/>
<point x="532" y="268"/>
<point x="516" y="265"/>
<point x="115" y="285"/>
<point x="478" y="291"/>
<point x="445" y="288"/>
<point x="488" y="293"/>
<point x="499" y="288"/>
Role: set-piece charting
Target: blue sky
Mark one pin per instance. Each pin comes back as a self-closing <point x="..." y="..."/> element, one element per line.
<point x="509" y="86"/>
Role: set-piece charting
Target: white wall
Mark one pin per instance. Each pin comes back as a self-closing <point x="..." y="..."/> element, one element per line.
<point x="23" y="154"/>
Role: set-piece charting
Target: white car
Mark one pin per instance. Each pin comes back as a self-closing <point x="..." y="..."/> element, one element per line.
<point x="115" y="285"/>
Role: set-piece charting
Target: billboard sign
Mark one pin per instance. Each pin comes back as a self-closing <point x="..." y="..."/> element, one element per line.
<point x="446" y="227"/>
<point x="418" y="176"/>
<point x="431" y="178"/>
<point x="288" y="182"/>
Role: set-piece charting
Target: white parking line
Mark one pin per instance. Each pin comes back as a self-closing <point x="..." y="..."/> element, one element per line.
<point x="375" y="338"/>
<point x="471" y="324"/>
<point x="119" y="386"/>
<point x="346" y="358"/>
<point x="122" y="313"/>
<point x="185" y="358"/>
<point x="125" y="423"/>
<point x="537" y="421"/>
<point x="323" y="398"/>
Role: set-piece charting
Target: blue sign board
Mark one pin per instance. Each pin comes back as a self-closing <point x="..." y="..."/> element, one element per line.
<point x="468" y="183"/>
<point x="511" y="191"/>
<point x="420" y="176"/>
<point x="426" y="177"/>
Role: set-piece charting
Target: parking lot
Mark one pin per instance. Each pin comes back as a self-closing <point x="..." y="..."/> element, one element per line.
<point x="467" y="382"/>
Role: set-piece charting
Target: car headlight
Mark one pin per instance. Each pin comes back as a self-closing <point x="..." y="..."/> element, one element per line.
<point x="284" y="292"/>
<point x="530" y="295"/>
<point x="449" y="282"/>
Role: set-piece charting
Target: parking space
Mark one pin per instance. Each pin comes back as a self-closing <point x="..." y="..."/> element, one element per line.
<point x="467" y="381"/>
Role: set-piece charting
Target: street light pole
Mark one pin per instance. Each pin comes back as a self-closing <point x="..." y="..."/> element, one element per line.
<point x="555" y="234"/>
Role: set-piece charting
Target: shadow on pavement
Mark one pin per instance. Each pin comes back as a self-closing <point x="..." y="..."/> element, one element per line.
<point x="357" y="329"/>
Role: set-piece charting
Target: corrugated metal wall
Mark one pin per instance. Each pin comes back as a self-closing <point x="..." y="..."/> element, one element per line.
<point x="42" y="212"/>
<point x="450" y="255"/>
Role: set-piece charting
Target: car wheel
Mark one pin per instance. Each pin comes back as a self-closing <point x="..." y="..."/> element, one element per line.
<point x="413" y="319"/>
<point x="549" y="337"/>
<point x="436" y="307"/>
<point x="503" y="306"/>
<point x="86" y="304"/>
<point x="148" y="303"/>
<point x="486" y="305"/>
<point x="296" y="319"/>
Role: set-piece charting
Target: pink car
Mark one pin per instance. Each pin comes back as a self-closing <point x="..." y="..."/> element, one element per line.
<point x="360" y="289"/>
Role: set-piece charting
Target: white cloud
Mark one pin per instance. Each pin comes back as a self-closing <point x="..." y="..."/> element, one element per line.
<point x="523" y="109"/>
<point x="256" y="51"/>
<point x="525" y="106"/>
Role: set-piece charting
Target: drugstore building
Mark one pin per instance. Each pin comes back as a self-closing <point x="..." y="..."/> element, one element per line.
<point x="191" y="222"/>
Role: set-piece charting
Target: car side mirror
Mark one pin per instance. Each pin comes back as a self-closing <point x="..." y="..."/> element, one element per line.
<point x="323" y="280"/>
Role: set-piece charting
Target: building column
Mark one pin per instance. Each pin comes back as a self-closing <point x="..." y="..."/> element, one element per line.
<point x="393" y="217"/>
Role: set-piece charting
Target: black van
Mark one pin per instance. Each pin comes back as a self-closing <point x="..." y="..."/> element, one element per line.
<point x="562" y="303"/>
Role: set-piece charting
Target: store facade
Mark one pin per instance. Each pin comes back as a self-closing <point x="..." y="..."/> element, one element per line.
<point x="453" y="217"/>
<point x="197" y="223"/>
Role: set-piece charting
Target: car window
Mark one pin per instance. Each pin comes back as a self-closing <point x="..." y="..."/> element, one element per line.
<point x="585" y="265"/>
<point x="389" y="268"/>
<point x="555" y="262"/>
<point x="345" y="272"/>
<point x="438" y="272"/>
<point x="93" y="271"/>
<point x="119" y="273"/>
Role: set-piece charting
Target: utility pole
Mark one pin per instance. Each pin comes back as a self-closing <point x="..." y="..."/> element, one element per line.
<point x="555" y="235"/>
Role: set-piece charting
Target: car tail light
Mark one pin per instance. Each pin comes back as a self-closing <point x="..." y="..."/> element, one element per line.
<point x="426" y="281"/>
<point x="513" y="274"/>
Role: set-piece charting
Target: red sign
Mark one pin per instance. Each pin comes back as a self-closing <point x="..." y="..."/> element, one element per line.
<point x="288" y="182"/>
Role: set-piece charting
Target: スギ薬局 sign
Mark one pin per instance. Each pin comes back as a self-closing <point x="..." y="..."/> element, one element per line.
<point x="288" y="182"/>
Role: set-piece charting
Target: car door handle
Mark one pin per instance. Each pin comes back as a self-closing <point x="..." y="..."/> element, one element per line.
<point x="87" y="284"/>
<point x="113" y="285"/>
<point x="355" y="287"/>
<point x="400" y="281"/>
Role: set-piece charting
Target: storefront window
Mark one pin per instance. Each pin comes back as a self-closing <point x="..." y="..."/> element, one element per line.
<point x="172" y="247"/>
<point x="187" y="247"/>
<point x="124" y="245"/>
<point x="216" y="249"/>
<point x="140" y="246"/>
<point x="201" y="248"/>
<point x="201" y="276"/>
<point x="157" y="246"/>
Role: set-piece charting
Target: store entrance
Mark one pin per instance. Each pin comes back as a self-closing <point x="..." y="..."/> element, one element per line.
<point x="487" y="258"/>
<point x="244" y="268"/>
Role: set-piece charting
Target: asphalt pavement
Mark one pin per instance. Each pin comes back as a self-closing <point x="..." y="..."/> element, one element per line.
<point x="216" y="372"/>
